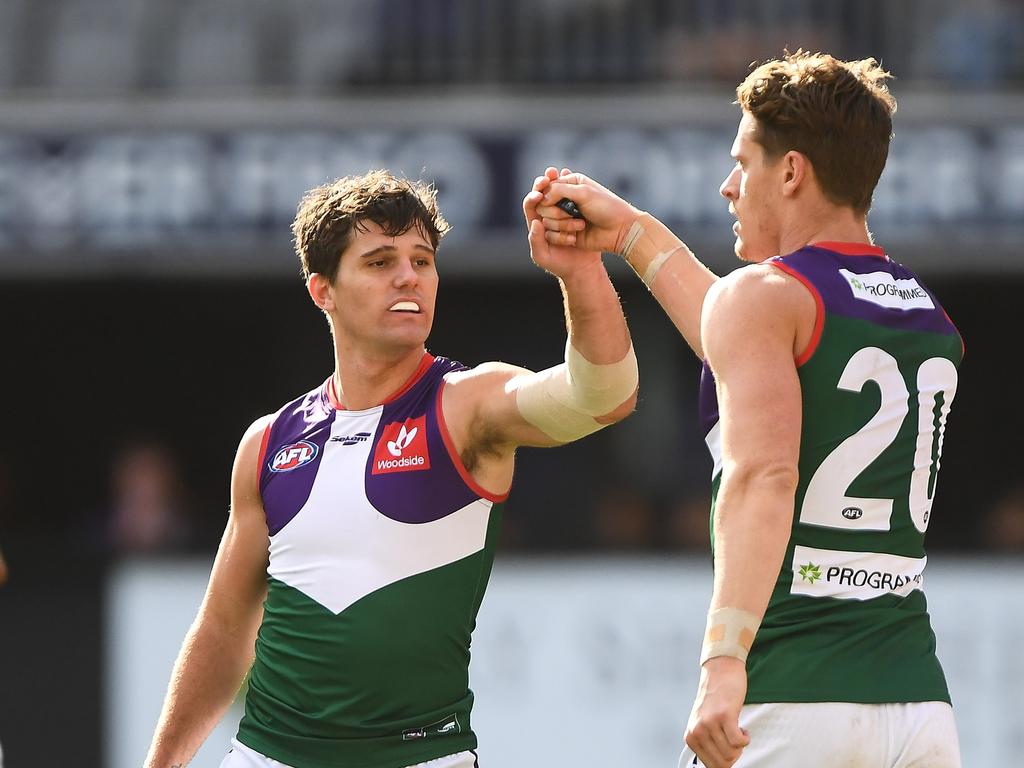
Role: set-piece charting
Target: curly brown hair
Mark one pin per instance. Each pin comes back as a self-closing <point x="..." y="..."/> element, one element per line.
<point x="329" y="214"/>
<point x="837" y="113"/>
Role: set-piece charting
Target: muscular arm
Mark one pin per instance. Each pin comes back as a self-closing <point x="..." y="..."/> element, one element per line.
<point x="679" y="281"/>
<point x="752" y="323"/>
<point x="483" y="407"/>
<point x="218" y="649"/>
<point x="680" y="284"/>
<point x="750" y="326"/>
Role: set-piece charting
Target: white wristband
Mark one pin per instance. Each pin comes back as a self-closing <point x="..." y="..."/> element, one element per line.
<point x="730" y="632"/>
<point x="647" y="235"/>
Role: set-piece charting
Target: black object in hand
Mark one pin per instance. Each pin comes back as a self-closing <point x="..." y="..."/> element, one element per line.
<point x="569" y="207"/>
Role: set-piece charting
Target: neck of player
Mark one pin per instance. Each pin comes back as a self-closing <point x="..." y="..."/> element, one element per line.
<point x="825" y="223"/>
<point x="366" y="378"/>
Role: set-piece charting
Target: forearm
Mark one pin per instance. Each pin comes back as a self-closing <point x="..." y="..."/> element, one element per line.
<point x="207" y="675"/>
<point x="594" y="319"/>
<point x="753" y="523"/>
<point x="676" y="278"/>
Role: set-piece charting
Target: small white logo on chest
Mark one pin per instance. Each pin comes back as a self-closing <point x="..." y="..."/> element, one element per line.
<point x="400" y="443"/>
<point x="883" y="289"/>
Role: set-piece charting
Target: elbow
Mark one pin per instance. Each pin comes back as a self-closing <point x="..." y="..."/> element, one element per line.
<point x="770" y="485"/>
<point x="623" y="410"/>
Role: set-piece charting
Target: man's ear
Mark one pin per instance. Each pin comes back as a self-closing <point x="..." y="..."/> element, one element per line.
<point x="321" y="291"/>
<point x="796" y="170"/>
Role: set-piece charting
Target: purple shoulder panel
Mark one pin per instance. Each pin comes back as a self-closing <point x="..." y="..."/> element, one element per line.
<point x="821" y="266"/>
<point x="410" y="475"/>
<point x="707" y="400"/>
<point x="295" y="447"/>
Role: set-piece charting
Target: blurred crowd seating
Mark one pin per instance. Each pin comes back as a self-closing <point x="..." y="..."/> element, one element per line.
<point x="87" y="47"/>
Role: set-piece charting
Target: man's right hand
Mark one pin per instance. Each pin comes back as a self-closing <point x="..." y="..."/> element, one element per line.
<point x="713" y="731"/>
<point x="607" y="216"/>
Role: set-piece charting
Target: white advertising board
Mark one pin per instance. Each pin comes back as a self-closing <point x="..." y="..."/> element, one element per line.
<point x="586" y="661"/>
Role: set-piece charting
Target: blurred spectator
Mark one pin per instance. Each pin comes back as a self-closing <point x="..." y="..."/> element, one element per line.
<point x="625" y="518"/>
<point x="719" y="39"/>
<point x="980" y="44"/>
<point x="689" y="523"/>
<point x="148" y="511"/>
<point x="1004" y="525"/>
<point x="628" y="518"/>
<point x="6" y="492"/>
<point x="6" y="507"/>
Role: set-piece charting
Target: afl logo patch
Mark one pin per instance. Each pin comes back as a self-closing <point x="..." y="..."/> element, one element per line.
<point x="294" y="456"/>
<point x="853" y="513"/>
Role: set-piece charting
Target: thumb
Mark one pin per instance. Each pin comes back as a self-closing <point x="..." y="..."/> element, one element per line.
<point x="538" y="243"/>
<point x="736" y="736"/>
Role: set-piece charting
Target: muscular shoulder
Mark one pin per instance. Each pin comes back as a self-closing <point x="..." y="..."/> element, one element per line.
<point x="245" y="475"/>
<point x="481" y="380"/>
<point x="252" y="438"/>
<point x="754" y="302"/>
<point x="756" y="286"/>
<point x="759" y="291"/>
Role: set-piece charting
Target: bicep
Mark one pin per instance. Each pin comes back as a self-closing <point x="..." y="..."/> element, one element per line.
<point x="238" y="582"/>
<point x="748" y="331"/>
<point x="481" y="404"/>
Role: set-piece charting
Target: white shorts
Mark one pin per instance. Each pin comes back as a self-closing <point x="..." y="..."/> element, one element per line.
<point x="241" y="756"/>
<point x="916" y="735"/>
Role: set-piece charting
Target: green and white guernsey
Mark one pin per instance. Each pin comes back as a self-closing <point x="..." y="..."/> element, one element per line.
<point x="847" y="620"/>
<point x="380" y="550"/>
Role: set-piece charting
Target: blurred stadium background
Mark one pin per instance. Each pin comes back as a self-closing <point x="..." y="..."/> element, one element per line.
<point x="151" y="156"/>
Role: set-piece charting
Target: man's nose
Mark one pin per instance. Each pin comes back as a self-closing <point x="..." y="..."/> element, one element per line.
<point x="406" y="274"/>
<point x="728" y="190"/>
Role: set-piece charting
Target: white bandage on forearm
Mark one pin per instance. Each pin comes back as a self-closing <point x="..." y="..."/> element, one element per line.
<point x="562" y="401"/>
<point x="648" y="245"/>
<point x="730" y="632"/>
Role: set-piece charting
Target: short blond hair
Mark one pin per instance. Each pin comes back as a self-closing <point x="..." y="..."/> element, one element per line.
<point x="837" y="113"/>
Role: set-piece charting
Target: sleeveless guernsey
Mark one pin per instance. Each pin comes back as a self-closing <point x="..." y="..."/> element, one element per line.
<point x="847" y="620"/>
<point x="381" y="546"/>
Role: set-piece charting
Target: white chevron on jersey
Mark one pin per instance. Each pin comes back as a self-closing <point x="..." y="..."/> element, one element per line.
<point x="339" y="548"/>
<point x="713" y="439"/>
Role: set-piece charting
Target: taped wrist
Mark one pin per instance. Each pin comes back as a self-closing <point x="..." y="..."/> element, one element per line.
<point x="648" y="245"/>
<point x="562" y="401"/>
<point x="730" y="632"/>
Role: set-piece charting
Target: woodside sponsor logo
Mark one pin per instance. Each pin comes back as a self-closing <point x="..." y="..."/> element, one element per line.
<point x="402" y="447"/>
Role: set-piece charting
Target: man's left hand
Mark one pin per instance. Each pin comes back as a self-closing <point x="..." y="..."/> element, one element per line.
<point x="559" y="260"/>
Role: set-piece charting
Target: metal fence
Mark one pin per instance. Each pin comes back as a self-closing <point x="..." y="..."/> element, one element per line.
<point x="86" y="47"/>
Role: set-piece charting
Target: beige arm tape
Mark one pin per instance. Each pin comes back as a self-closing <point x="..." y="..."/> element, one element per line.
<point x="730" y="632"/>
<point x="562" y="401"/>
<point x="648" y="245"/>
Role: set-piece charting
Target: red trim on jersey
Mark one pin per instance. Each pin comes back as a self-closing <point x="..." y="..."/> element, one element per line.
<point x="453" y="454"/>
<point x="819" y="316"/>
<point x="425" y="363"/>
<point x="963" y="347"/>
<point x="851" y="249"/>
<point x="264" y="441"/>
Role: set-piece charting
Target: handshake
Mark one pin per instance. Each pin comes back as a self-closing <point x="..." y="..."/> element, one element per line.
<point x="572" y="219"/>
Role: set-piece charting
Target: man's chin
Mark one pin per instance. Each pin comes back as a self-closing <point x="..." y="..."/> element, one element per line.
<point x="742" y="251"/>
<point x="747" y="254"/>
<point x="400" y="341"/>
